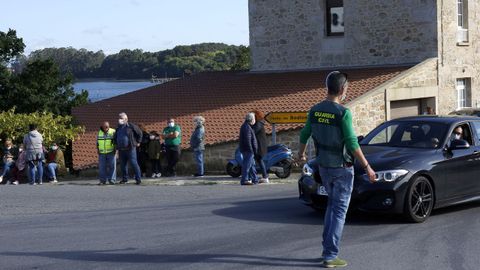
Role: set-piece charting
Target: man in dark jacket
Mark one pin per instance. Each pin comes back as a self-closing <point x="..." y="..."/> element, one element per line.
<point x="261" y="135"/>
<point x="127" y="138"/>
<point x="142" y="151"/>
<point x="248" y="147"/>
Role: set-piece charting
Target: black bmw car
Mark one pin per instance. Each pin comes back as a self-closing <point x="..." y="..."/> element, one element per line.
<point x="422" y="163"/>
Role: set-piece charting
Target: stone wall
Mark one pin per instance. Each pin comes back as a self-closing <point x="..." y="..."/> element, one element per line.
<point x="373" y="108"/>
<point x="289" y="35"/>
<point x="368" y="113"/>
<point x="458" y="60"/>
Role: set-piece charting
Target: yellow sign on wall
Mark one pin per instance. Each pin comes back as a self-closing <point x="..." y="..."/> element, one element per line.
<point x="286" y="117"/>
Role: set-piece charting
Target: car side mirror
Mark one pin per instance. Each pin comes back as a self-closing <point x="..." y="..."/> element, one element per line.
<point x="459" y="145"/>
<point x="360" y="138"/>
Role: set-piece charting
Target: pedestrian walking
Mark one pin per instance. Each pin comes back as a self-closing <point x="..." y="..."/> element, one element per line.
<point x="154" y="154"/>
<point x="127" y="138"/>
<point x="107" y="164"/>
<point x="261" y="136"/>
<point x="197" y="143"/>
<point x="248" y="147"/>
<point x="330" y="125"/>
<point x="172" y="134"/>
<point x="35" y="156"/>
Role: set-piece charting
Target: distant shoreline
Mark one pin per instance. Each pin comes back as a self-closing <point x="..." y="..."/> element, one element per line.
<point x="109" y="80"/>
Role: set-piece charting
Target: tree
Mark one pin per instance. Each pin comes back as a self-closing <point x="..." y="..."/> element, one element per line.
<point x="41" y="88"/>
<point x="137" y="64"/>
<point x="243" y="59"/>
<point x="38" y="87"/>
<point x="10" y="46"/>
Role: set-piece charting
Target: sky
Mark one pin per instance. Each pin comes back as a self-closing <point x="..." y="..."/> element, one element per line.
<point x="112" y="25"/>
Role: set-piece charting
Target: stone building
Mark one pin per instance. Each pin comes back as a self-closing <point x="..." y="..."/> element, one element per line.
<point x="439" y="39"/>
<point x="401" y="56"/>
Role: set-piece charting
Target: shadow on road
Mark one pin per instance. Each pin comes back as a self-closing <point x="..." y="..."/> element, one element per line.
<point x="126" y="256"/>
<point x="456" y="208"/>
<point x="290" y="211"/>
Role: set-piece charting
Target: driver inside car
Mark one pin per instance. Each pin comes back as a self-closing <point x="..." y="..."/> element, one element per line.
<point x="457" y="134"/>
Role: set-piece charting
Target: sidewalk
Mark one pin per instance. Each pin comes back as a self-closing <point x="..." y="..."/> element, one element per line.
<point x="183" y="181"/>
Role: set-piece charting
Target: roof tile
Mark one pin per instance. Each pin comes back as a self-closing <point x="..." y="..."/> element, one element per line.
<point x="223" y="98"/>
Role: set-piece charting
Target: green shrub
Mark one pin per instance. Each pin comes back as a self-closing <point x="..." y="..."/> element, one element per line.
<point x="54" y="128"/>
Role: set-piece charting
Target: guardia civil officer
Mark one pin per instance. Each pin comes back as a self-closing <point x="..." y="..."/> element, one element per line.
<point x="106" y="154"/>
<point x="330" y="125"/>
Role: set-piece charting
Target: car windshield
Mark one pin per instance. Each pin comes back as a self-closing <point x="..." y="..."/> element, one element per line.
<point x="410" y="134"/>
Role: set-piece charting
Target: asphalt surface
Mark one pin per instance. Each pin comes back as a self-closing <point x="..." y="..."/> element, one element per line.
<point x="214" y="227"/>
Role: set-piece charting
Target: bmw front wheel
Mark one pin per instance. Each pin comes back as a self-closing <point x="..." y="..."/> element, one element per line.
<point x="419" y="200"/>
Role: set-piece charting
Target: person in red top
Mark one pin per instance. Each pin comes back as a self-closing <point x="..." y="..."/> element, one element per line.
<point x="55" y="161"/>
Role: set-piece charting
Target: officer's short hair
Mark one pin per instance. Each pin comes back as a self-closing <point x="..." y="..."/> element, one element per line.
<point x="335" y="81"/>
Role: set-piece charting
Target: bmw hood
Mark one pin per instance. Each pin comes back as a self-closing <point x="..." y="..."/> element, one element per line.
<point x="385" y="158"/>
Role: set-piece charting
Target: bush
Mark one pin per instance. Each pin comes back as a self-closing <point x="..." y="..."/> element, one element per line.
<point x="54" y="128"/>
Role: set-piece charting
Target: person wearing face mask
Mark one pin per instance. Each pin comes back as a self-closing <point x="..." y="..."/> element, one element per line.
<point x="106" y="155"/>
<point x="55" y="162"/>
<point x="10" y="154"/>
<point x="457" y="134"/>
<point x="154" y="149"/>
<point x="198" y="145"/>
<point x="173" y="139"/>
<point x="127" y="138"/>
<point x="19" y="170"/>
<point x="330" y="125"/>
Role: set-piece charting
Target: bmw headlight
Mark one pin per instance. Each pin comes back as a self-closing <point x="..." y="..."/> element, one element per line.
<point x="389" y="176"/>
<point x="307" y="170"/>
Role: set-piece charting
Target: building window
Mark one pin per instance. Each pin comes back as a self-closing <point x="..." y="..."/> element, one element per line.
<point x="464" y="93"/>
<point x="335" y="25"/>
<point x="462" y="20"/>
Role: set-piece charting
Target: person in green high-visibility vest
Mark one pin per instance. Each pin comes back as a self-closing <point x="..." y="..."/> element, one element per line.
<point x="106" y="155"/>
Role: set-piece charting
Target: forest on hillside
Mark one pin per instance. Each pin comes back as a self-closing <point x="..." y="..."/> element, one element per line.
<point x="137" y="64"/>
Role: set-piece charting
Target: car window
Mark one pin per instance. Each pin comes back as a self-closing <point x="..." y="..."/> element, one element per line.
<point x="413" y="134"/>
<point x="467" y="134"/>
<point x="384" y="136"/>
<point x="476" y="126"/>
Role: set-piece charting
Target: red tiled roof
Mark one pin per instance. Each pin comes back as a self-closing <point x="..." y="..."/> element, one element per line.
<point x="223" y="98"/>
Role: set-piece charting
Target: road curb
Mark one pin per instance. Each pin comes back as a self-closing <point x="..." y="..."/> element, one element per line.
<point x="180" y="182"/>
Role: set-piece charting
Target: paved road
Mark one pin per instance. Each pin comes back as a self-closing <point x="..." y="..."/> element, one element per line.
<point x="213" y="227"/>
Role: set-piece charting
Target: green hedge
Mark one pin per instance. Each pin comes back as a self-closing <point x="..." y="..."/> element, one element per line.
<point x="54" y="128"/>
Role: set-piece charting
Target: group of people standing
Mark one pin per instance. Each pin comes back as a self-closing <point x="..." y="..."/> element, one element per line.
<point x="31" y="158"/>
<point x="140" y="148"/>
<point x="253" y="146"/>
